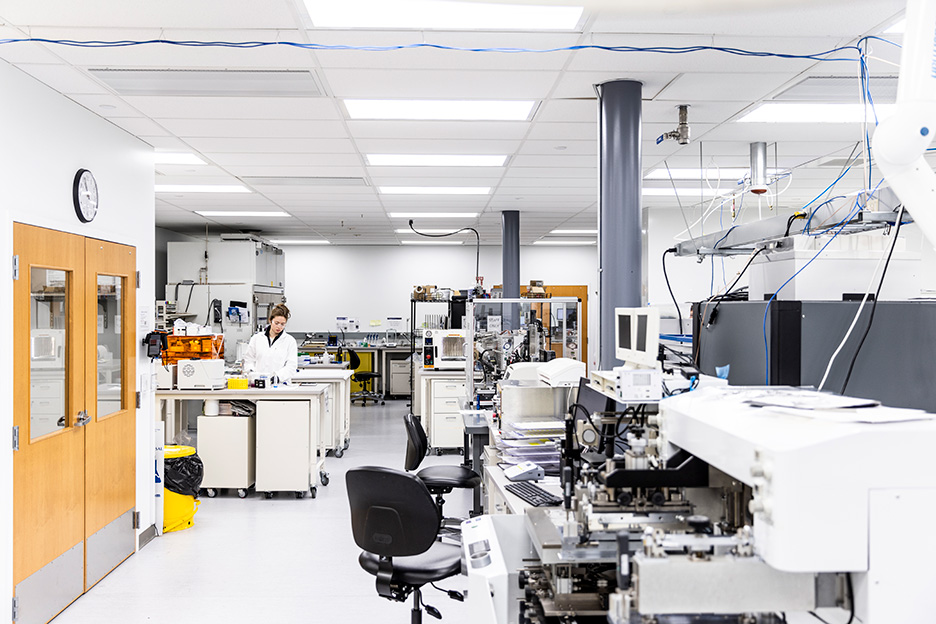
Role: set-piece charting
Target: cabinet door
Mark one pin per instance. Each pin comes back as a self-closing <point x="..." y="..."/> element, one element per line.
<point x="283" y="449"/>
<point x="48" y="469"/>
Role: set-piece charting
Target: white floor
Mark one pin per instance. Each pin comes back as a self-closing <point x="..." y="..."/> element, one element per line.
<point x="283" y="560"/>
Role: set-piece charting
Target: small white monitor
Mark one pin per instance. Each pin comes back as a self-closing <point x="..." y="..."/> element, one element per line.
<point x="637" y="336"/>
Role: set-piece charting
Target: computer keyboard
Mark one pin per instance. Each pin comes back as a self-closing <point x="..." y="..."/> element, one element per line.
<point x="533" y="494"/>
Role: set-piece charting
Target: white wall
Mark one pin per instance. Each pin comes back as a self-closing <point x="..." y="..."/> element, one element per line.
<point x="376" y="282"/>
<point x="46" y="139"/>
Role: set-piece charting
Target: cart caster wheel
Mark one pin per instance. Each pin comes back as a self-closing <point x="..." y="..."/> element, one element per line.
<point x="439" y="451"/>
<point x="314" y="491"/>
<point x="211" y="492"/>
<point x="382" y="403"/>
<point x="323" y="476"/>
<point x="242" y="493"/>
<point x="347" y="443"/>
<point x="268" y="495"/>
<point x="461" y="451"/>
<point x="339" y="452"/>
<point x="300" y="494"/>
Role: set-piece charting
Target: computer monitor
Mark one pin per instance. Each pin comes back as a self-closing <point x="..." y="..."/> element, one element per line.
<point x="637" y="336"/>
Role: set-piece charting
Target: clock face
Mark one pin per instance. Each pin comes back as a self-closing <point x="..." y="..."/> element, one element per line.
<point x="85" y="195"/>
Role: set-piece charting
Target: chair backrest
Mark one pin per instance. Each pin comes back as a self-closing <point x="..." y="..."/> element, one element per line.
<point x="417" y="444"/>
<point x="392" y="512"/>
<point x="355" y="360"/>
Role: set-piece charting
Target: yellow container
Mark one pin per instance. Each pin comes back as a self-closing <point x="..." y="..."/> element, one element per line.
<point x="237" y="383"/>
<point x="178" y="509"/>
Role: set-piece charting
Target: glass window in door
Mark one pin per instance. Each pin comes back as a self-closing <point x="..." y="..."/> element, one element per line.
<point x="48" y="346"/>
<point x="109" y="345"/>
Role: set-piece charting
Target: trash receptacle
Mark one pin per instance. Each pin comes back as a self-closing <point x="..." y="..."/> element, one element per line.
<point x="182" y="477"/>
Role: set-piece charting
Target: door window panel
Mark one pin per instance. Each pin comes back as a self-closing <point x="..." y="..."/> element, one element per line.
<point x="109" y="345"/>
<point x="48" y="347"/>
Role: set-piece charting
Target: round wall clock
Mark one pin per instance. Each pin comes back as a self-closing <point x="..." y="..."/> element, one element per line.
<point x="85" y="196"/>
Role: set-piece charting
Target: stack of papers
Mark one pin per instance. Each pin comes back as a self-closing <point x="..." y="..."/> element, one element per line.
<point x="535" y="441"/>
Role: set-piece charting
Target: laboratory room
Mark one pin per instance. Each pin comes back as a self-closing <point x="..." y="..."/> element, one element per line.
<point x="493" y="312"/>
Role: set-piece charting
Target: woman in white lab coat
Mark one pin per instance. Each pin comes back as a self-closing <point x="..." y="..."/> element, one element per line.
<point x="273" y="352"/>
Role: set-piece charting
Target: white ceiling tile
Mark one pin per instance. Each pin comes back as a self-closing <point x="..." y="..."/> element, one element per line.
<point x="379" y="180"/>
<point x="537" y="160"/>
<point x="255" y="128"/>
<point x="297" y="171"/>
<point x="283" y="160"/>
<point x="107" y="106"/>
<point x="548" y="173"/>
<point x="163" y="107"/>
<point x="16" y="53"/>
<point x="440" y="84"/>
<point x="64" y="78"/>
<point x="167" y="143"/>
<point x="732" y="87"/>
<point x="168" y="14"/>
<point x="582" y="84"/>
<point x="140" y="126"/>
<point x="187" y="170"/>
<point x="557" y="131"/>
<point x="568" y="110"/>
<point x="560" y="147"/>
<point x="272" y="145"/>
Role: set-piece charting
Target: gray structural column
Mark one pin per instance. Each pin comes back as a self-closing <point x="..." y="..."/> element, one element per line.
<point x="619" y="218"/>
<point x="510" y="258"/>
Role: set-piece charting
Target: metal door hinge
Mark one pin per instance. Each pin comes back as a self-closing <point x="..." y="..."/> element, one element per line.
<point x="136" y="519"/>
<point x="15" y="608"/>
<point x="138" y="279"/>
<point x="16" y="267"/>
<point x="16" y="437"/>
<point x="138" y="400"/>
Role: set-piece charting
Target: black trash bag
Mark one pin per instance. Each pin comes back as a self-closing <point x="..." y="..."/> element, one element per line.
<point x="183" y="475"/>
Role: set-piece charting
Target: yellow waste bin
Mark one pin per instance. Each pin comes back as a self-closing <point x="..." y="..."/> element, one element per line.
<point x="178" y="509"/>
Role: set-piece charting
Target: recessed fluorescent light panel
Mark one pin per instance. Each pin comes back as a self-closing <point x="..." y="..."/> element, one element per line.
<point x="433" y="215"/>
<point x="428" y="230"/>
<point x="211" y="82"/>
<point x="574" y="232"/>
<point x="435" y="190"/>
<point x="441" y="15"/>
<point x="682" y="192"/>
<point x="201" y="188"/>
<point x="303" y="181"/>
<point x="240" y="213"/>
<point x="430" y="242"/>
<point x="441" y="110"/>
<point x="169" y="158"/>
<point x="798" y="112"/>
<point x="566" y="243"/>
<point x="435" y="160"/>
<point x="897" y="29"/>
<point x="317" y="241"/>
<point x="712" y="173"/>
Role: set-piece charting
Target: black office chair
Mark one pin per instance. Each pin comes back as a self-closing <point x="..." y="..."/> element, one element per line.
<point x="364" y="378"/>
<point x="395" y="522"/>
<point x="439" y="479"/>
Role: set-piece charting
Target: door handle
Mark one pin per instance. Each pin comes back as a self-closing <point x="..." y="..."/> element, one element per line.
<point x="83" y="418"/>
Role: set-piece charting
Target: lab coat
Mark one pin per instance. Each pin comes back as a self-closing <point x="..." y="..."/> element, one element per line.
<point x="280" y="359"/>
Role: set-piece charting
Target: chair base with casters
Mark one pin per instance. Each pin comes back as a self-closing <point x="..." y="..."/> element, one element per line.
<point x="396" y="523"/>
<point x="365" y="378"/>
<point x="439" y="480"/>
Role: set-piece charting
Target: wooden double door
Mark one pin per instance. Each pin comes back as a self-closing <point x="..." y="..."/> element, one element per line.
<point x="74" y="416"/>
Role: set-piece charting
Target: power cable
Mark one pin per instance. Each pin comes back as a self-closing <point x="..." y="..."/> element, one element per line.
<point x="464" y="229"/>
<point x="877" y="295"/>
<point x="670" y="288"/>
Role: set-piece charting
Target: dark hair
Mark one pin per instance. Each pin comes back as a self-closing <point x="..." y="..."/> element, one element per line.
<point x="279" y="309"/>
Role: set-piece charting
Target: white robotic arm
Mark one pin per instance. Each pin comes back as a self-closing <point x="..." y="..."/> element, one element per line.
<point x="901" y="140"/>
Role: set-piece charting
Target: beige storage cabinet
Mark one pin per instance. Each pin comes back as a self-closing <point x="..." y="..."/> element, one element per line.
<point x="446" y="429"/>
<point x="226" y="447"/>
<point x="284" y="448"/>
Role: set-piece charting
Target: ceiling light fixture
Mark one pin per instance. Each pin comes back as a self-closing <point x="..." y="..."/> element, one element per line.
<point x="176" y="158"/>
<point x="802" y="112"/>
<point x="202" y="188"/>
<point x="433" y="215"/>
<point x="567" y="243"/>
<point x="287" y="241"/>
<point x="710" y="173"/>
<point x="240" y="213"/>
<point x="435" y="160"/>
<point x="434" y="190"/>
<point x="670" y="192"/>
<point x="441" y="110"/>
<point x="441" y="14"/>
<point x="420" y="242"/>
